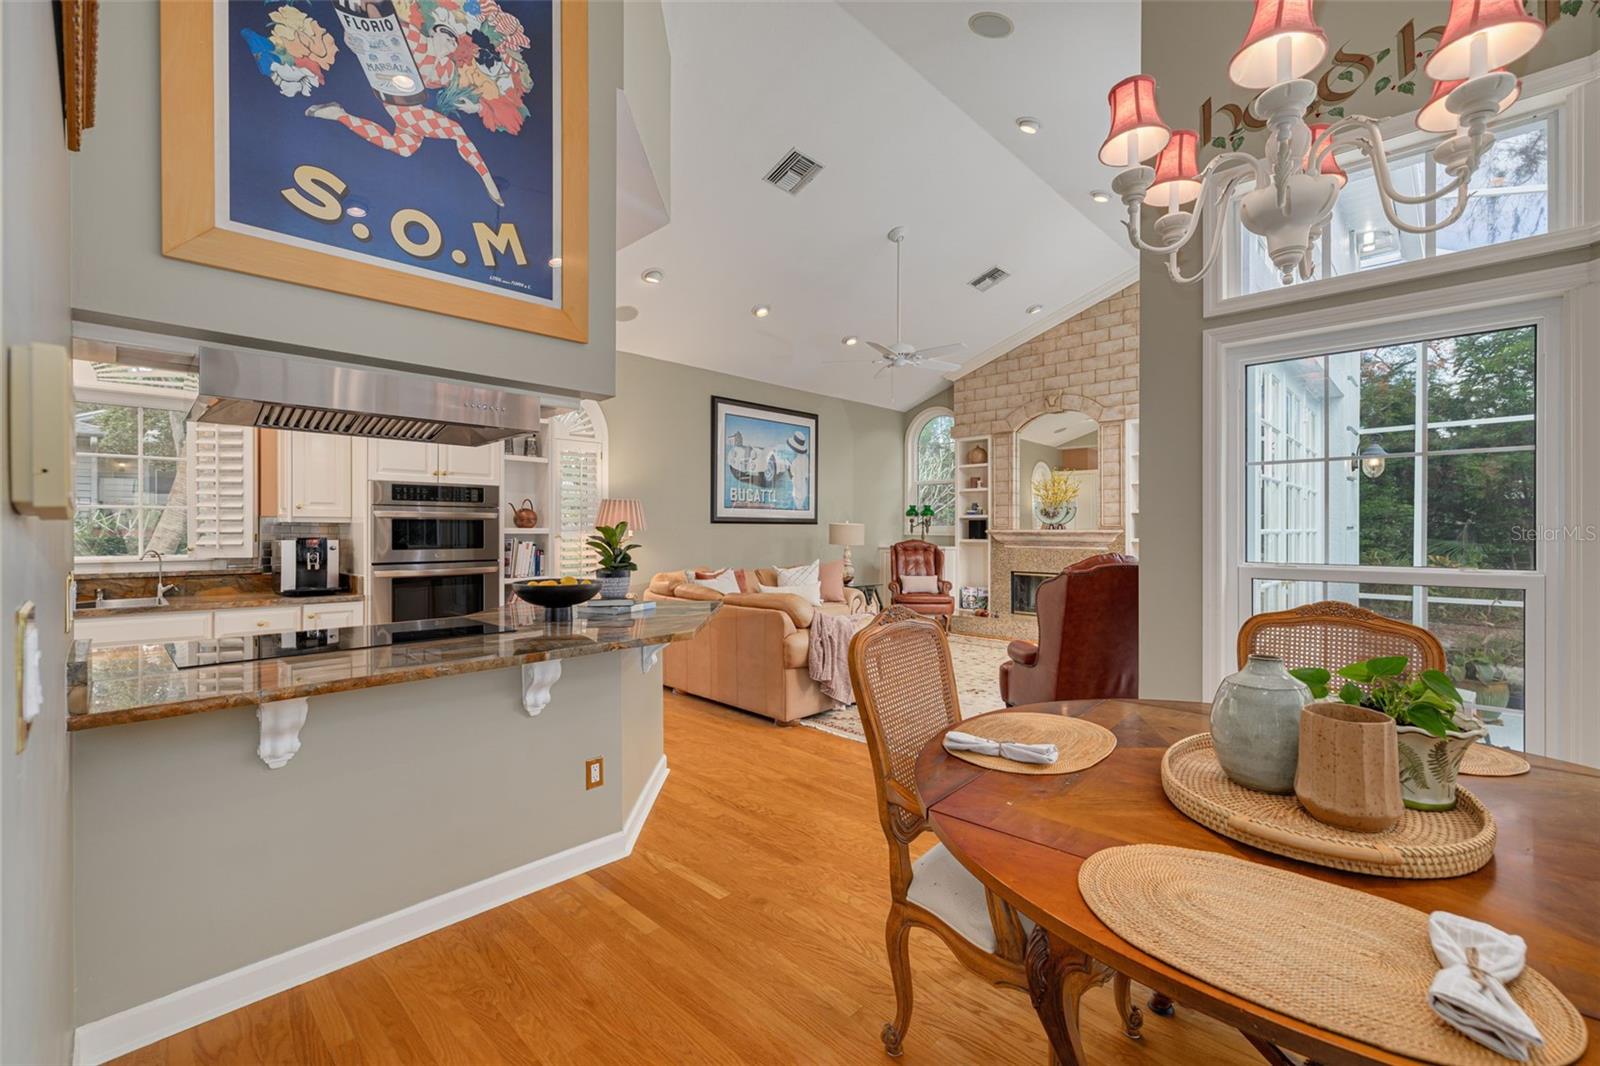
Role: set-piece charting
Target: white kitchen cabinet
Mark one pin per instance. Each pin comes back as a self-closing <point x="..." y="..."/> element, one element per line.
<point x="470" y="466"/>
<point x="333" y="615"/>
<point x="402" y="460"/>
<point x="319" y="477"/>
<point x="143" y="628"/>
<point x="243" y="621"/>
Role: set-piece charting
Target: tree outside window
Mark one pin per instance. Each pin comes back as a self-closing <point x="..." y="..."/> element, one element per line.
<point x="933" y="469"/>
<point x="130" y="485"/>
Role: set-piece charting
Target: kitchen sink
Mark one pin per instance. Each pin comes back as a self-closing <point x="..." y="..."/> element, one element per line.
<point x="141" y="603"/>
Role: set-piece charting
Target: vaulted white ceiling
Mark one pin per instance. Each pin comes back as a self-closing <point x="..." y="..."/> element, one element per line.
<point x="911" y="115"/>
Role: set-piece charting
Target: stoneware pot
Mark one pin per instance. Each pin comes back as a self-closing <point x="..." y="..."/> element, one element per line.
<point x="978" y="454"/>
<point x="1255" y="725"/>
<point x="1428" y="765"/>
<point x="613" y="583"/>
<point x="1348" y="771"/>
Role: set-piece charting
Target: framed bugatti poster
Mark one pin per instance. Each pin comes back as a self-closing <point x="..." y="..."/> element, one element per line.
<point x="763" y="463"/>
<point x="428" y="153"/>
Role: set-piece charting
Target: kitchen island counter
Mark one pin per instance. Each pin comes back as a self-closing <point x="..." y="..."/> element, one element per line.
<point x="118" y="685"/>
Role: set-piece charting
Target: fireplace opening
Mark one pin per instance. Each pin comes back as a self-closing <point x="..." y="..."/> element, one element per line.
<point x="1025" y="590"/>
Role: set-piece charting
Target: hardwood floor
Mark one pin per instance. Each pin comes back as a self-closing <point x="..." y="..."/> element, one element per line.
<point x="747" y="927"/>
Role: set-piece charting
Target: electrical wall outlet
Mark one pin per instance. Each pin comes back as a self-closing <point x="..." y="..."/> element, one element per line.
<point x="594" y="772"/>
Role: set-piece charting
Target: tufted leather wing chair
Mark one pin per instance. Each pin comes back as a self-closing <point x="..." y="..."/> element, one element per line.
<point x="919" y="558"/>
<point x="1088" y="636"/>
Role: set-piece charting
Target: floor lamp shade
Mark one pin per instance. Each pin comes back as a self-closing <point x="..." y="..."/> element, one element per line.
<point x="613" y="511"/>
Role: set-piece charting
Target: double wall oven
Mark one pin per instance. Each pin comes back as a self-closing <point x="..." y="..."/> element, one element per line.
<point x="435" y="550"/>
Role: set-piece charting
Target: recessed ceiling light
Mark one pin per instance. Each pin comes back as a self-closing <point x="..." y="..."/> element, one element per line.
<point x="1100" y="196"/>
<point x="1035" y="309"/>
<point x="990" y="24"/>
<point x="851" y="342"/>
<point x="761" y="310"/>
<point x="555" y="261"/>
<point x="652" y="277"/>
<point x="1028" y="125"/>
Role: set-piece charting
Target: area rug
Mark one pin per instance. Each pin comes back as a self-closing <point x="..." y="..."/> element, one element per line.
<point x="977" y="665"/>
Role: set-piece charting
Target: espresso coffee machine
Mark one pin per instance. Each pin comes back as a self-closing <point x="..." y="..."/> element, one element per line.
<point x="308" y="566"/>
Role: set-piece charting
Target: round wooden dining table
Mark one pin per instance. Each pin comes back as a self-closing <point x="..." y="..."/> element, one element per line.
<point x="1025" y="836"/>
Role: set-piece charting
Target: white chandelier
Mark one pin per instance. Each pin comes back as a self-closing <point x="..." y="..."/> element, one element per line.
<point x="1297" y="180"/>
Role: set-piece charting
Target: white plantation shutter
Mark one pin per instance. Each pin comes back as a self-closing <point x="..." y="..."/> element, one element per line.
<point x="579" y="490"/>
<point x="222" y="507"/>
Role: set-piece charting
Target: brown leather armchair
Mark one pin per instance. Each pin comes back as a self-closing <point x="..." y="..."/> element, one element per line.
<point x="919" y="558"/>
<point x="1088" y="636"/>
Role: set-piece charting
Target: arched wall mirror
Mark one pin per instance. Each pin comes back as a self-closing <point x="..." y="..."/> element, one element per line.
<point x="1058" y="472"/>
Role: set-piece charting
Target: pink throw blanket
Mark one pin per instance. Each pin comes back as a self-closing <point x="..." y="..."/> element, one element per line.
<point x="829" y="658"/>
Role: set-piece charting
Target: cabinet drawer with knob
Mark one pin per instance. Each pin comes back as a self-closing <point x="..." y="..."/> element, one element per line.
<point x="333" y="616"/>
<point x="256" y="620"/>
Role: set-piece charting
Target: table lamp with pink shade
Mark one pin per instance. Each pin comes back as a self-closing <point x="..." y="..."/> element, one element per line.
<point x="613" y="511"/>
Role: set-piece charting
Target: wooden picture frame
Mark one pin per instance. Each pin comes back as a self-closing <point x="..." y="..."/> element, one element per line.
<point x="768" y="491"/>
<point x="78" y="34"/>
<point x="190" y="229"/>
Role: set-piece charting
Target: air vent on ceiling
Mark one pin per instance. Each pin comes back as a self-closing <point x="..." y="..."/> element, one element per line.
<point x="989" y="279"/>
<point x="793" y="172"/>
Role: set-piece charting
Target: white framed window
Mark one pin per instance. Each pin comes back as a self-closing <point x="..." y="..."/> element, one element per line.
<point x="578" y="467"/>
<point x="931" y="466"/>
<point x="1529" y="198"/>
<point x="1408" y="455"/>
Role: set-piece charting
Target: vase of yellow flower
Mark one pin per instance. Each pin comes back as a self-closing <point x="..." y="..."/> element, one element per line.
<point x="1055" y="497"/>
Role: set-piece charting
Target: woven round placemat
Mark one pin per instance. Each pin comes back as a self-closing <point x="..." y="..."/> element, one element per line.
<point x="1330" y="956"/>
<point x="1423" y="844"/>
<point x="1079" y="744"/>
<point x="1484" y="760"/>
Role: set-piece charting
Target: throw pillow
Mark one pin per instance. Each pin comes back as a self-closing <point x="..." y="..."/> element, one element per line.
<point x="832" y="575"/>
<point x="800" y="575"/>
<point x="722" y="581"/>
<point x="919" y="583"/>
<point x="810" y="592"/>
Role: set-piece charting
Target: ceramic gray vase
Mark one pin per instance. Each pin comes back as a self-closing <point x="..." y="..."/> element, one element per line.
<point x="613" y="583"/>
<point x="1255" y="725"/>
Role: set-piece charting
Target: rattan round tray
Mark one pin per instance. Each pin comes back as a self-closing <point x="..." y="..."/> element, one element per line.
<point x="1079" y="743"/>
<point x="1337" y="958"/>
<point x="1424" y="844"/>
<point x="1482" y="760"/>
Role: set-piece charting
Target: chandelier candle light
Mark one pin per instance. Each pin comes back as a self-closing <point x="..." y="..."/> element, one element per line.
<point x="1297" y="181"/>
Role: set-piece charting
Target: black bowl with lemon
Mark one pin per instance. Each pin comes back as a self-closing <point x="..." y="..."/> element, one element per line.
<point x="557" y="595"/>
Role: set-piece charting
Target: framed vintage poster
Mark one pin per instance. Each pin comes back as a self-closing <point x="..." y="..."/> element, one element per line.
<point x="763" y="463"/>
<point x="427" y="153"/>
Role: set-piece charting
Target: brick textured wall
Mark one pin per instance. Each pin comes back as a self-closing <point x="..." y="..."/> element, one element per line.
<point x="1089" y="363"/>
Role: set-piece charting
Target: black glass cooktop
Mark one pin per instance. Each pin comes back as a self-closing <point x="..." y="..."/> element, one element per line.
<point x="253" y="648"/>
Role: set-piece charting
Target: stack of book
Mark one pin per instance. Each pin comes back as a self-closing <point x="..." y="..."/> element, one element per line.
<point x="608" y="608"/>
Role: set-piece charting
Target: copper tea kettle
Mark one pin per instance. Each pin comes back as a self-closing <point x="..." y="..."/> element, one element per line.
<point x="524" y="517"/>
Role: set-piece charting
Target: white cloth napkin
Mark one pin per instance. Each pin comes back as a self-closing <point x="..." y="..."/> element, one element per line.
<point x="1469" y="992"/>
<point x="1039" y="754"/>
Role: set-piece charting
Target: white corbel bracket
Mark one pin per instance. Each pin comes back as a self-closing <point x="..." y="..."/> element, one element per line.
<point x="281" y="723"/>
<point x="649" y="655"/>
<point x="537" y="680"/>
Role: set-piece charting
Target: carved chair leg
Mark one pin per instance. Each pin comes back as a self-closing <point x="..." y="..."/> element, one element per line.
<point x="1162" y="1004"/>
<point x="1132" y="1018"/>
<point x="898" y="935"/>
<point x="1058" y="976"/>
<point x="1272" y="1053"/>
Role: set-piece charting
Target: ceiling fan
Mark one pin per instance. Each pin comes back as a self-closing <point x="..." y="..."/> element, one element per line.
<point x="901" y="354"/>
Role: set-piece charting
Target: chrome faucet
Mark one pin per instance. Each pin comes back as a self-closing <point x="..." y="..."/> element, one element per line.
<point x="161" y="590"/>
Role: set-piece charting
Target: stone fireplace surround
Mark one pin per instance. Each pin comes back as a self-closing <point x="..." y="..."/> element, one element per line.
<point x="1047" y="551"/>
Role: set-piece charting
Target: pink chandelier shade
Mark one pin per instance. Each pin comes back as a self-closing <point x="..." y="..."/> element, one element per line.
<point x="1330" y="165"/>
<point x="1437" y="118"/>
<point x="621" y="510"/>
<point x="1137" y="132"/>
<point x="1284" y="42"/>
<point x="1500" y="31"/>
<point x="1176" y="171"/>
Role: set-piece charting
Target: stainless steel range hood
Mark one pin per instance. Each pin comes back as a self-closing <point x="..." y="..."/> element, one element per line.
<point x="245" y="387"/>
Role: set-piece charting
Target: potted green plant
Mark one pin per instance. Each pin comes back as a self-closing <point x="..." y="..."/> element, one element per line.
<point x="1432" y="726"/>
<point x="616" y="560"/>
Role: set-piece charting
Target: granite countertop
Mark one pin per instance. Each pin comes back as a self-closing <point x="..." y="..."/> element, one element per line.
<point x="218" y="590"/>
<point x="133" y="683"/>
<point x="217" y="600"/>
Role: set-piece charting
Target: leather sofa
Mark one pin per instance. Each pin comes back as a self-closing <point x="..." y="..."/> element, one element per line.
<point x="754" y="653"/>
<point x="920" y="558"/>
<point x="1088" y="636"/>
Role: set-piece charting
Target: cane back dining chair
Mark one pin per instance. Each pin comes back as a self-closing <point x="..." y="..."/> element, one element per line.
<point x="906" y="691"/>
<point x="1332" y="634"/>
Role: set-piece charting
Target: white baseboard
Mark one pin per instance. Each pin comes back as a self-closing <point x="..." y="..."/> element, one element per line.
<point x="134" y="1028"/>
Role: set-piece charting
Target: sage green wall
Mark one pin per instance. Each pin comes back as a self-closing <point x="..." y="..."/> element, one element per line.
<point x="660" y="438"/>
<point x="119" y="275"/>
<point x="35" y="852"/>
<point x="1185" y="47"/>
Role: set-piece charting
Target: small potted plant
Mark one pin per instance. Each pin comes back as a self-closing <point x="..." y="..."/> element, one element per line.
<point x="616" y="562"/>
<point x="1433" y="728"/>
